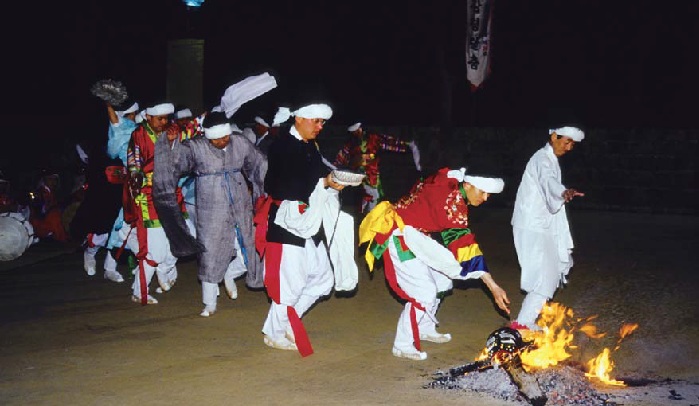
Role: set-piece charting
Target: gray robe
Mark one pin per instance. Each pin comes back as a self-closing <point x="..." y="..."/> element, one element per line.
<point x="224" y="205"/>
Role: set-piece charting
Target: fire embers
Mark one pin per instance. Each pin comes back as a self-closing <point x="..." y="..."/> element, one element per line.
<point x="537" y="362"/>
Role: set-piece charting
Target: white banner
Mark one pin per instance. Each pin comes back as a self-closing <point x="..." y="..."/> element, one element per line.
<point x="480" y="14"/>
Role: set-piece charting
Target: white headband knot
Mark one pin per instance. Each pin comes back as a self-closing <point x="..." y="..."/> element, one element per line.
<point x="573" y="133"/>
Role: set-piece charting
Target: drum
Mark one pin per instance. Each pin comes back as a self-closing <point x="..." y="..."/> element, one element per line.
<point x="14" y="236"/>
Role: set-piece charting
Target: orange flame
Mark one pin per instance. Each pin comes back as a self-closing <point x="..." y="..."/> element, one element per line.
<point x="600" y="367"/>
<point x="624" y="331"/>
<point x="627" y="329"/>
<point x="551" y="344"/>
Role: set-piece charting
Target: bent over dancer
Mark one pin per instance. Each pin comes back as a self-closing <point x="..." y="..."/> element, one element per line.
<point x="425" y="242"/>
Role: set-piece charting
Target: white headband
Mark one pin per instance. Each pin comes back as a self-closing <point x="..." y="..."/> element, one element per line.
<point x="184" y="113"/>
<point x="311" y="111"/>
<point x="260" y="121"/>
<point x="354" y="127"/>
<point x="488" y="185"/>
<point x="218" y="131"/>
<point x="573" y="133"/>
<point x="132" y="109"/>
<point x="161" y="109"/>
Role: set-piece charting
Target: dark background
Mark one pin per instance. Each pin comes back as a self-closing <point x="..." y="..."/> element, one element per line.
<point x="613" y="64"/>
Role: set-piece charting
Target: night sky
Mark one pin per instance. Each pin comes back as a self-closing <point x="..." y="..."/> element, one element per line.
<point x="613" y="63"/>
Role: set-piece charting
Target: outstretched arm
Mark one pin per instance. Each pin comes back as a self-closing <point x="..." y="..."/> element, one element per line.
<point x="499" y="294"/>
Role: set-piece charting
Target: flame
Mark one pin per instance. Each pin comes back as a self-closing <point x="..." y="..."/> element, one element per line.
<point x="600" y="367"/>
<point x="551" y="344"/>
<point x="483" y="355"/>
<point x="627" y="329"/>
<point x="590" y="330"/>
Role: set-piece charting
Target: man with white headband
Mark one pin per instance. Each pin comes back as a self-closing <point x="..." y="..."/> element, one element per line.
<point x="258" y="134"/>
<point x="222" y="162"/>
<point x="540" y="227"/>
<point x="425" y="242"/>
<point x="149" y="242"/>
<point x="98" y="209"/>
<point x="297" y="267"/>
<point x="361" y="153"/>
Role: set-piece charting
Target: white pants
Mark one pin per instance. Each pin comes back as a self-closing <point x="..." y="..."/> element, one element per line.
<point x="158" y="251"/>
<point x="99" y="241"/>
<point x="531" y="307"/>
<point x="305" y="275"/>
<point x="421" y="283"/>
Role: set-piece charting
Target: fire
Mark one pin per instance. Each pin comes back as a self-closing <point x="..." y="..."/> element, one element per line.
<point x="600" y="367"/>
<point x="553" y="343"/>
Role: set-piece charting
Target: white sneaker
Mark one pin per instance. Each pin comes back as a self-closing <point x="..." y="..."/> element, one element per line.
<point x="113" y="276"/>
<point x="436" y="337"/>
<point x="137" y="299"/>
<point x="208" y="311"/>
<point x="90" y="264"/>
<point x="231" y="288"/>
<point x="163" y="282"/>
<point x="413" y="354"/>
<point x="280" y="344"/>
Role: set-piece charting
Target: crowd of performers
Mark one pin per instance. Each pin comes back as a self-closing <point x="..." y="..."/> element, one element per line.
<point x="262" y="205"/>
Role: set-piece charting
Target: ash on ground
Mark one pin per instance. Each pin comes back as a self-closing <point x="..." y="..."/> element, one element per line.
<point x="562" y="386"/>
<point x="567" y="385"/>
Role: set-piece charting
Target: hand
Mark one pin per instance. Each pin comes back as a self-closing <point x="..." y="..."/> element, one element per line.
<point x="329" y="182"/>
<point x="500" y="297"/>
<point x="499" y="294"/>
<point x="569" y="194"/>
<point x="135" y="183"/>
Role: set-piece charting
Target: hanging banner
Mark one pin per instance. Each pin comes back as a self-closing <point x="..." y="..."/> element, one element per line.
<point x="480" y="15"/>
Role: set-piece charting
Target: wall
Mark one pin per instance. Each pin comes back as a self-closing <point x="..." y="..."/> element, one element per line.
<point x="633" y="170"/>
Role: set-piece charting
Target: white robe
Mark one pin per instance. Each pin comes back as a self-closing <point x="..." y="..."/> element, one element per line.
<point x="540" y="226"/>
<point x="324" y="210"/>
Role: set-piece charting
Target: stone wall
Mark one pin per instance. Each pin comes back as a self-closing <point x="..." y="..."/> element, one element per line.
<point x="633" y="170"/>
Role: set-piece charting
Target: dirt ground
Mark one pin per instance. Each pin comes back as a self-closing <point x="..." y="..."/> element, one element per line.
<point x="67" y="338"/>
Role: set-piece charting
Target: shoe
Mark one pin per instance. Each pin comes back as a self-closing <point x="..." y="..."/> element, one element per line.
<point x="90" y="264"/>
<point x="165" y="285"/>
<point x="208" y="311"/>
<point x="522" y="327"/>
<point x="113" y="276"/>
<point x="436" y="337"/>
<point x="137" y="299"/>
<point x="413" y="355"/>
<point x="281" y="344"/>
<point x="515" y="325"/>
<point x="231" y="289"/>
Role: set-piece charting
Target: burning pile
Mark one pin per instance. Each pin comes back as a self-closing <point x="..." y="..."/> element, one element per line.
<point x="536" y="363"/>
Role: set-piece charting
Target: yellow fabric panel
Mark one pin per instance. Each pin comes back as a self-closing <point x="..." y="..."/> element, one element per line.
<point x="468" y="252"/>
<point x="379" y="220"/>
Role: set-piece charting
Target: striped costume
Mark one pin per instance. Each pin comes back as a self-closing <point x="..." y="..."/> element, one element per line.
<point x="425" y="242"/>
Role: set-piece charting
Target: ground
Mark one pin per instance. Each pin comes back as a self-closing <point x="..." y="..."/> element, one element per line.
<point x="70" y="338"/>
